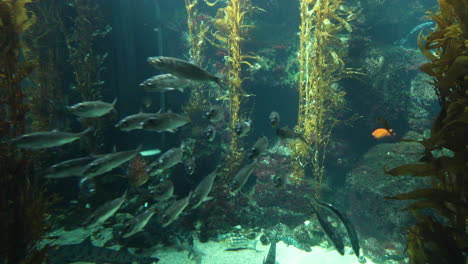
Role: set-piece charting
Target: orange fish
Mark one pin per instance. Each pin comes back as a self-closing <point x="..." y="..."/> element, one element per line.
<point x="382" y="132"/>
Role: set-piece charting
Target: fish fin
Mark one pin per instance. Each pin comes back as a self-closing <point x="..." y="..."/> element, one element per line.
<point x="86" y="131"/>
<point x="115" y="101"/>
<point x="207" y="198"/>
<point x="171" y="130"/>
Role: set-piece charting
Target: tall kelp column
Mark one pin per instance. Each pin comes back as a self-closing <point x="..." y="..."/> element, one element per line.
<point x="23" y="206"/>
<point x="321" y="54"/>
<point x="197" y="31"/>
<point x="441" y="235"/>
<point x="231" y="31"/>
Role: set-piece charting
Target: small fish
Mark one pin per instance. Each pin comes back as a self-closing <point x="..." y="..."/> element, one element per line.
<point x="167" y="160"/>
<point x="243" y="128"/>
<point x="271" y="256"/>
<point x="288" y="134"/>
<point x="163" y="191"/>
<point x="139" y="222"/>
<point x="87" y="252"/>
<point x="164" y="122"/>
<point x="190" y="165"/>
<point x="137" y="174"/>
<point x="92" y="108"/>
<point x="347" y="224"/>
<point x="258" y="148"/>
<point x="163" y="83"/>
<point x="210" y="133"/>
<point x="68" y="168"/>
<point x="182" y="69"/>
<point x="214" y="113"/>
<point x="234" y="243"/>
<point x="330" y="231"/>
<point x="174" y="210"/>
<point x="274" y="119"/>
<point x="133" y="122"/>
<point x="105" y="211"/>
<point x="108" y="162"/>
<point x="280" y="178"/>
<point x="380" y="133"/>
<point x="39" y="140"/>
<point x="200" y="194"/>
<point x="242" y="176"/>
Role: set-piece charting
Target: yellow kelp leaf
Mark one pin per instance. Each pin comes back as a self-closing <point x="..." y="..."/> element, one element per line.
<point x="423" y="49"/>
<point x="211" y="4"/>
<point x="23" y="21"/>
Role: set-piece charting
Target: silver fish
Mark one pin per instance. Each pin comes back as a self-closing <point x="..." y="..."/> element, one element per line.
<point x="242" y="176"/>
<point x="258" y="148"/>
<point x="39" y="140"/>
<point x="164" y="82"/>
<point x="133" y="122"/>
<point x="174" y="210"/>
<point x="274" y="119"/>
<point x="68" y="168"/>
<point x="210" y="133"/>
<point x="108" y="162"/>
<point x="105" y="211"/>
<point x="214" y="113"/>
<point x="200" y="194"/>
<point x="92" y="108"/>
<point x="167" y="160"/>
<point x="288" y="134"/>
<point x="243" y="128"/>
<point x="164" y="122"/>
<point x="139" y="222"/>
<point x="182" y="69"/>
<point x="162" y="191"/>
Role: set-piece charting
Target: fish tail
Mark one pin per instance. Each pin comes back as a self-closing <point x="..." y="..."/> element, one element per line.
<point x="86" y="131"/>
<point x="217" y="80"/>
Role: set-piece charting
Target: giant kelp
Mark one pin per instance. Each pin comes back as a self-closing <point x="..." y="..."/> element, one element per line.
<point x="81" y="34"/>
<point x="321" y="66"/>
<point x="22" y="203"/>
<point x="440" y="237"/>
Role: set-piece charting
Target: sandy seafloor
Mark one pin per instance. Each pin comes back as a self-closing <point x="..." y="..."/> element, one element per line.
<point x="214" y="253"/>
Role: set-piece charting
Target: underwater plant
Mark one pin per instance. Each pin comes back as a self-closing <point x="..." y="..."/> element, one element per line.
<point x="86" y="62"/>
<point x="321" y="66"/>
<point x="23" y="205"/>
<point x="232" y="29"/>
<point x="440" y="232"/>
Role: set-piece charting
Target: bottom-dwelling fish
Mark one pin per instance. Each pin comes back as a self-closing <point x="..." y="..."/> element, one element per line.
<point x="234" y="243"/>
<point x="330" y="231"/>
<point x="87" y="252"/>
<point x="347" y="224"/>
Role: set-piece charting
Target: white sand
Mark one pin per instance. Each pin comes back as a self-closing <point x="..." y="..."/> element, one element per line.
<point x="215" y="254"/>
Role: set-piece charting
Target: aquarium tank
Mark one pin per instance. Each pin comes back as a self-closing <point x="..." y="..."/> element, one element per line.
<point x="233" y="131"/>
